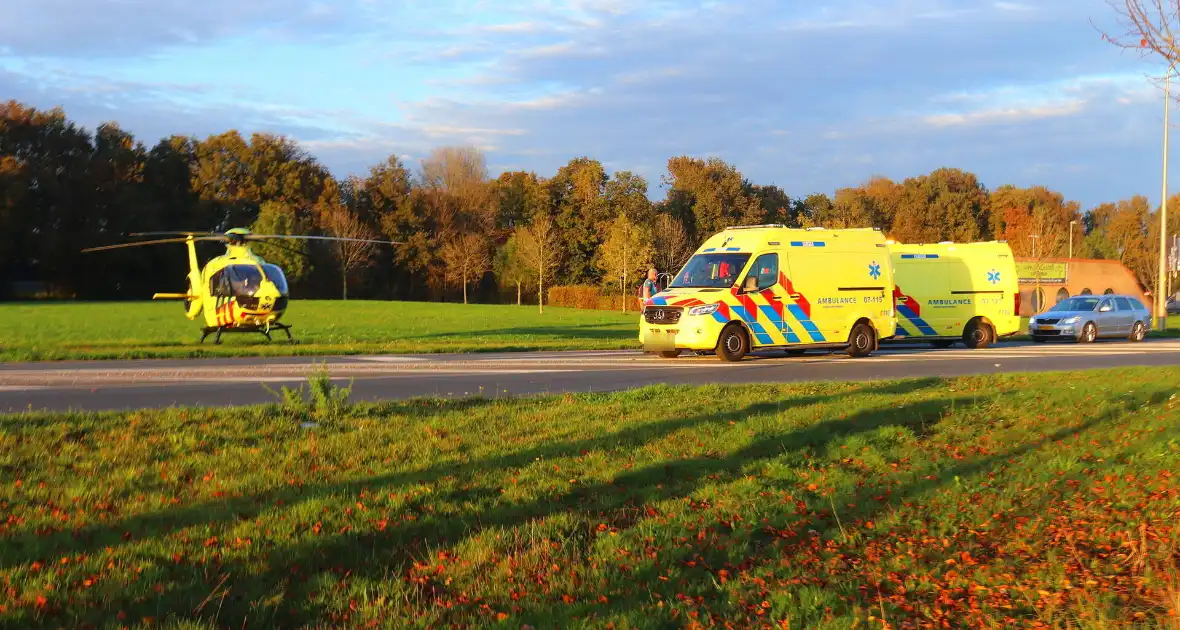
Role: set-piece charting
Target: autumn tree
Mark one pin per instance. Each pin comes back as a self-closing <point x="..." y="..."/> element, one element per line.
<point x="670" y="244"/>
<point x="712" y="193"/>
<point x="44" y="159"/>
<point x="812" y="210"/>
<point x="1036" y="215"/>
<point x="464" y="200"/>
<point x="776" y="205"/>
<point x="627" y="246"/>
<point x="520" y="196"/>
<point x="537" y="243"/>
<point x="292" y="255"/>
<point x="467" y="258"/>
<point x="511" y="268"/>
<point x="626" y="194"/>
<point x="339" y="220"/>
<point x="580" y="212"/>
<point x="948" y="204"/>
<point x="852" y="208"/>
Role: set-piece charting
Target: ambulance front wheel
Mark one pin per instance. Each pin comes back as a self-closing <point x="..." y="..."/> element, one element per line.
<point x="860" y="340"/>
<point x="733" y="344"/>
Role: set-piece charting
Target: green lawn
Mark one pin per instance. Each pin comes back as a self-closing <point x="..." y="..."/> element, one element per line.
<point x="124" y="330"/>
<point x="1010" y="501"/>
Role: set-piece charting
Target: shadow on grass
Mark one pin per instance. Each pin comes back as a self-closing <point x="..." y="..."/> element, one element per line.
<point x="389" y="555"/>
<point x="27" y="547"/>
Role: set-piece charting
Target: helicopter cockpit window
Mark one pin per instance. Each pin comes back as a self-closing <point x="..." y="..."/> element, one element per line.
<point x="245" y="279"/>
<point x="219" y="284"/>
<point x="275" y="275"/>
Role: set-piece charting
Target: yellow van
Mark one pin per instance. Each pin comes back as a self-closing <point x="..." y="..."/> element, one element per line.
<point x="950" y="292"/>
<point x="768" y="286"/>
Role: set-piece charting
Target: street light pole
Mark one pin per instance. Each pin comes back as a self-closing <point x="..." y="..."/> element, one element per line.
<point x="1160" y="299"/>
<point x="1071" y="224"/>
<point x="1037" y="287"/>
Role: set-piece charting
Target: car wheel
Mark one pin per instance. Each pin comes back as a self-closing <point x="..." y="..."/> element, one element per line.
<point x="1089" y="333"/>
<point x="732" y="344"/>
<point x="1138" y="332"/>
<point x="670" y="354"/>
<point x="977" y="335"/>
<point x="860" y="341"/>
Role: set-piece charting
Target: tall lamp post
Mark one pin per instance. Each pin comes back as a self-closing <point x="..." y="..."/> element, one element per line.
<point x="1071" y="224"/>
<point x="1161" y="282"/>
<point x="1037" y="272"/>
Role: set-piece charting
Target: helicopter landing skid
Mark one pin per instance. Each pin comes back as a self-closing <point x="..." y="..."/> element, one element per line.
<point x="263" y="330"/>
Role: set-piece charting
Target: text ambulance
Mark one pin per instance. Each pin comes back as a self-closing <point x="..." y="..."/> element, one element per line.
<point x="949" y="292"/>
<point x="768" y="286"/>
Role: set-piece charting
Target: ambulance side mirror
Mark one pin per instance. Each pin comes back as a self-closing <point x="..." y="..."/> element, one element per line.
<point x="751" y="283"/>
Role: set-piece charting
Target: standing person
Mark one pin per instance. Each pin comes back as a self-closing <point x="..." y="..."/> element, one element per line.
<point x="650" y="288"/>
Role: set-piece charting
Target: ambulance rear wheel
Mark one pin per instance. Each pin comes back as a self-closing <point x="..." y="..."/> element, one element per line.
<point x="670" y="354"/>
<point x="978" y="335"/>
<point x="860" y="341"/>
<point x="733" y="344"/>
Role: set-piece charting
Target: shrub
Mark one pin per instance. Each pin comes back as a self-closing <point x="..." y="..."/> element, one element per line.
<point x="592" y="298"/>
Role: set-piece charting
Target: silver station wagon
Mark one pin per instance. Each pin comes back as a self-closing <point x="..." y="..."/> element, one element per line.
<point x="1084" y="318"/>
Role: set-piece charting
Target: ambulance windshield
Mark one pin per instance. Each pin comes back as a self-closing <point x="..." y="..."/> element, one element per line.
<point x="710" y="271"/>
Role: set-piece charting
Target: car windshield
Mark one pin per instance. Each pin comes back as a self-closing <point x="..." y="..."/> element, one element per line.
<point x="1076" y="304"/>
<point x="715" y="271"/>
<point x="275" y="275"/>
<point x="244" y="279"/>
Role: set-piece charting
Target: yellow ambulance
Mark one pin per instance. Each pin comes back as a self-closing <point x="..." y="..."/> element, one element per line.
<point x="764" y="287"/>
<point x="950" y="292"/>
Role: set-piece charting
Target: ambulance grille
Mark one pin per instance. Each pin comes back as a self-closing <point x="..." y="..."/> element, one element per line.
<point x="662" y="314"/>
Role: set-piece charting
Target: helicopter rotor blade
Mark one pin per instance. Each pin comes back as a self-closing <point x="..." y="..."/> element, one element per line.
<point x="176" y="233"/>
<point x="155" y="242"/>
<point x="285" y="248"/>
<point x="258" y="237"/>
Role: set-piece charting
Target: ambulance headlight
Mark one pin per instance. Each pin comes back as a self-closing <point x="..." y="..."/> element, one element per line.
<point x="707" y="309"/>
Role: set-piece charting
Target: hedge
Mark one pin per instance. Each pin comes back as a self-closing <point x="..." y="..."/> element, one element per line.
<point x="591" y="297"/>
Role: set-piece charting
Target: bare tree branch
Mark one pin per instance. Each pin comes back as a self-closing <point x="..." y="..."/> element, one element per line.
<point x="1149" y="26"/>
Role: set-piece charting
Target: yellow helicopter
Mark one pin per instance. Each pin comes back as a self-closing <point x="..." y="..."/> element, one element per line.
<point x="238" y="291"/>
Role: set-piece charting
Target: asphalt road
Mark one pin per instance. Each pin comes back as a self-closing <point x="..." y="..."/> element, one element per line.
<point x="105" y="385"/>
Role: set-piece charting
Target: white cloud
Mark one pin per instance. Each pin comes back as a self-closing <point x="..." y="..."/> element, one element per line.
<point x="1005" y="114"/>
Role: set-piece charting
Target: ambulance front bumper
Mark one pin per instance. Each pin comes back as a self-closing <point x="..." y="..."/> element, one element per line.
<point x="692" y="332"/>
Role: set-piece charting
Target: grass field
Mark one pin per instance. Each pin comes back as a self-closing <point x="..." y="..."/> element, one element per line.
<point x="1027" y="500"/>
<point x="123" y="330"/>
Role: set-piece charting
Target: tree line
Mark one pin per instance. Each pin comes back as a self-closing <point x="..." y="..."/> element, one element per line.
<point x="463" y="234"/>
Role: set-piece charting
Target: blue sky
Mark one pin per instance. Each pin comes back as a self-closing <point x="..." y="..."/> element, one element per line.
<point x="811" y="95"/>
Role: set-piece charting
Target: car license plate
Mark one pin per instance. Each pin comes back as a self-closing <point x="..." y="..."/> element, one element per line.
<point x="1048" y="328"/>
